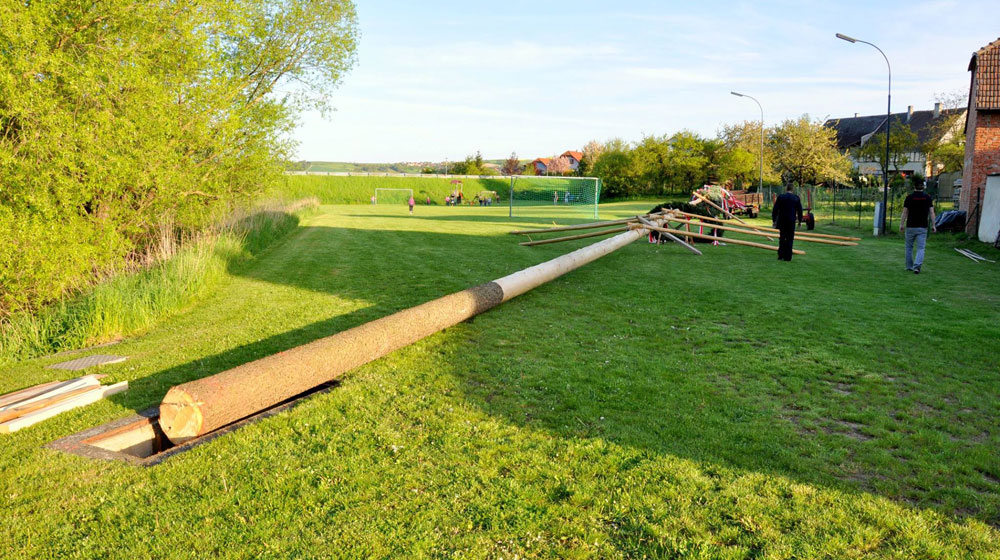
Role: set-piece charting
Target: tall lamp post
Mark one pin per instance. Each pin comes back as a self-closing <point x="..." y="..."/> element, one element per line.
<point x="760" y="189"/>
<point x="888" y="126"/>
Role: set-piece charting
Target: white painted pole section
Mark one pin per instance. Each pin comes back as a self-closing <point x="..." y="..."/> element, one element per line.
<point x="522" y="281"/>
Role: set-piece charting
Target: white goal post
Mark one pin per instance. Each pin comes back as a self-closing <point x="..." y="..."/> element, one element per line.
<point x="380" y="192"/>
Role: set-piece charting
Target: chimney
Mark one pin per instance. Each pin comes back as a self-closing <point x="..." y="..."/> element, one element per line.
<point x="855" y="115"/>
<point x="937" y="110"/>
<point x="909" y="113"/>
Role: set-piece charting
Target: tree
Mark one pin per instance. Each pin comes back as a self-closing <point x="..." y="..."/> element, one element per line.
<point x="745" y="136"/>
<point x="688" y="162"/>
<point x="806" y="151"/>
<point x="615" y="168"/>
<point x="946" y="147"/>
<point x="512" y="166"/>
<point x="558" y="166"/>
<point x="121" y="119"/>
<point x="902" y="142"/>
<point x="591" y="152"/>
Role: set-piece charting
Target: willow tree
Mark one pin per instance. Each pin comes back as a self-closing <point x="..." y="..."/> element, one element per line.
<point x="120" y="119"/>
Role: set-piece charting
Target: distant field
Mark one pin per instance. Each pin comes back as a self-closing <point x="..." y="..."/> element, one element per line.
<point x="332" y="189"/>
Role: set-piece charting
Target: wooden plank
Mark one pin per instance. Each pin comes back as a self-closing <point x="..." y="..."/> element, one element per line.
<point x="762" y="228"/>
<point x="23" y="409"/>
<point x="63" y="387"/>
<point x="673" y="237"/>
<point x="26" y="393"/>
<point x="726" y="240"/>
<point x="589" y="225"/>
<point x="572" y="237"/>
<point x="92" y="396"/>
<point x="761" y="234"/>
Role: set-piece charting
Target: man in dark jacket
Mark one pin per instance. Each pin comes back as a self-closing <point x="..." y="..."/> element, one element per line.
<point x="786" y="213"/>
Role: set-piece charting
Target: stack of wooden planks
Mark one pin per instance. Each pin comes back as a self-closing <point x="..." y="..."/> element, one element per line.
<point x="27" y="407"/>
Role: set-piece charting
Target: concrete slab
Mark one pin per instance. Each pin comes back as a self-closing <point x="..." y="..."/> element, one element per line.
<point x="89" y="361"/>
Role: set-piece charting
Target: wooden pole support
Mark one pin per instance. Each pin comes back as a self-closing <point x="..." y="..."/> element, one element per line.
<point x="725" y="212"/>
<point x="762" y="228"/>
<point x="722" y="239"/>
<point x="572" y="237"/>
<point x="589" y="225"/>
<point x="762" y="234"/>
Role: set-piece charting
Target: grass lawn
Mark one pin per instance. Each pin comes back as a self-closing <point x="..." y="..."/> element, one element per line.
<point x="651" y="404"/>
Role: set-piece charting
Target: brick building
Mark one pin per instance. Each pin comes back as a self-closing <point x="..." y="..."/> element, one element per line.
<point x="982" y="131"/>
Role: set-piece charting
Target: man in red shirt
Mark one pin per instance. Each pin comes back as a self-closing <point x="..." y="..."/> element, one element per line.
<point x="916" y="209"/>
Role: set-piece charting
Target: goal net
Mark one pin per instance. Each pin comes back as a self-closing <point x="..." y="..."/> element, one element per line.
<point x="574" y="194"/>
<point x="392" y="196"/>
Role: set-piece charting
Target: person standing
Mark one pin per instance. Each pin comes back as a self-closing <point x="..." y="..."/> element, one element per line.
<point x="411" y="203"/>
<point x="916" y="209"/>
<point x="786" y="213"/>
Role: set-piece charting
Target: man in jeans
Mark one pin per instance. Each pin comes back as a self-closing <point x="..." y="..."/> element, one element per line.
<point x="916" y="209"/>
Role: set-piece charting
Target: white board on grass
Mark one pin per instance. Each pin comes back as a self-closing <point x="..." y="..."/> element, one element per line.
<point x="63" y="387"/>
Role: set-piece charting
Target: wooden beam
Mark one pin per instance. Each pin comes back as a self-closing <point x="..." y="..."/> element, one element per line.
<point x="22" y="409"/>
<point x="762" y="228"/>
<point x="93" y="395"/>
<point x="721" y="239"/>
<point x="672" y="237"/>
<point x="26" y="393"/>
<point x="59" y="388"/>
<point x="762" y="234"/>
<point x="589" y="225"/>
<point x="572" y="237"/>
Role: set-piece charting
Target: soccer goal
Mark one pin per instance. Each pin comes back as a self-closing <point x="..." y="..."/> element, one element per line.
<point x="574" y="194"/>
<point x="392" y="196"/>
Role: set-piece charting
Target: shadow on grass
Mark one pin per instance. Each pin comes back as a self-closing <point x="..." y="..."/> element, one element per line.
<point x="655" y="389"/>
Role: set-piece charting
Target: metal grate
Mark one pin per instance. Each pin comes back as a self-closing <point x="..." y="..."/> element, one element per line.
<point x="89" y="361"/>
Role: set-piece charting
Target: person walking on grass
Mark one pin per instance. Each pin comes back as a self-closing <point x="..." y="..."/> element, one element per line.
<point x="411" y="202"/>
<point x="916" y="209"/>
<point x="786" y="213"/>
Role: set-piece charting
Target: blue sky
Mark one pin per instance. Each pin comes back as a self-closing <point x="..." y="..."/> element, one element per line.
<point x="438" y="79"/>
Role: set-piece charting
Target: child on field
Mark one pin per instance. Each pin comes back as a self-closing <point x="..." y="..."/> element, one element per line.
<point x="411" y="202"/>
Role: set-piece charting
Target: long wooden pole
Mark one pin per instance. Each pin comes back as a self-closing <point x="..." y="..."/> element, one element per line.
<point x="589" y="225"/>
<point x="195" y="408"/>
<point x="722" y="239"/>
<point x="762" y="234"/>
<point x="572" y="237"/>
<point x="762" y="228"/>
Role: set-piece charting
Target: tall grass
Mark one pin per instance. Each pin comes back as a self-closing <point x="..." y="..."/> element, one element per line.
<point x="129" y="303"/>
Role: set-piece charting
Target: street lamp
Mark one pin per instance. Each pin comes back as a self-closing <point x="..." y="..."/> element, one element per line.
<point x="760" y="189"/>
<point x="888" y="126"/>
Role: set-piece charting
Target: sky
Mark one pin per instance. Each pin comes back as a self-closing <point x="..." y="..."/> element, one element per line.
<point x="438" y="80"/>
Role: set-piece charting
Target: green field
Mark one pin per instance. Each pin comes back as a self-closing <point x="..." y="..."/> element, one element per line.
<point x="336" y="189"/>
<point x="651" y="404"/>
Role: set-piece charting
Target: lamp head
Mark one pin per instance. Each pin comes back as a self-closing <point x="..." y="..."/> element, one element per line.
<point x="846" y="38"/>
<point x="736" y="94"/>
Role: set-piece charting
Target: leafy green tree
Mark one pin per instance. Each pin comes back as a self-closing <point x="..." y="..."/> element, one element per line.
<point x="616" y="169"/>
<point x="902" y="142"/>
<point x="806" y="151"/>
<point x="119" y="120"/>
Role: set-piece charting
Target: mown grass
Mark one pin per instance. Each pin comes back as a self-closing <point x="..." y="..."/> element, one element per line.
<point x="651" y="404"/>
<point x="129" y="303"/>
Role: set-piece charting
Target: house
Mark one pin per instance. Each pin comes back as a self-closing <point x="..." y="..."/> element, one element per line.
<point x="541" y="165"/>
<point x="854" y="132"/>
<point x="573" y="158"/>
<point x="980" y="196"/>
